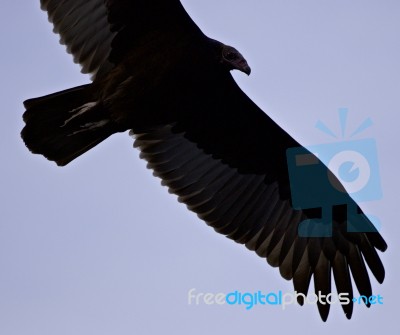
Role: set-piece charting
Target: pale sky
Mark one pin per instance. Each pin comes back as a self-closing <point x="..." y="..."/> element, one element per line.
<point x="99" y="247"/>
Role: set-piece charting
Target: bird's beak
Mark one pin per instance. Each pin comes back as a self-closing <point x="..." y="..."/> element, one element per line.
<point x="244" y="67"/>
<point x="247" y="70"/>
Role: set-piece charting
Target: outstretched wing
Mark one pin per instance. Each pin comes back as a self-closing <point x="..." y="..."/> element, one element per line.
<point x="89" y="27"/>
<point x="226" y="160"/>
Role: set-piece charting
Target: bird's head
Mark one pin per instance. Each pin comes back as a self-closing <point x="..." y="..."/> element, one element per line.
<point x="234" y="60"/>
<point x="229" y="57"/>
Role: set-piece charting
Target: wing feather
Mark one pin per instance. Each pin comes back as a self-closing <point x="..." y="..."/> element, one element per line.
<point x="83" y="27"/>
<point x="98" y="33"/>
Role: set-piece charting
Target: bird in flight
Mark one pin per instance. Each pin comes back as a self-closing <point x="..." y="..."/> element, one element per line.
<point x="155" y="73"/>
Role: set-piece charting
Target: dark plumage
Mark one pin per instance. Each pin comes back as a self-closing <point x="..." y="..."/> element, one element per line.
<point x="155" y="73"/>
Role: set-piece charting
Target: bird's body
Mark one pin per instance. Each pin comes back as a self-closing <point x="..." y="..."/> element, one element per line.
<point x="155" y="73"/>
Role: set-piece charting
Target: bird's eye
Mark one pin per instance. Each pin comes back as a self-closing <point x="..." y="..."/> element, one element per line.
<point x="231" y="56"/>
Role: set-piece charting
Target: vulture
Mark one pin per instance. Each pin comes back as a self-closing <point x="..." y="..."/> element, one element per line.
<point x="155" y="73"/>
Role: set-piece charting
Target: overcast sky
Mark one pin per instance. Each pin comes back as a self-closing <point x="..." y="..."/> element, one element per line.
<point x="99" y="247"/>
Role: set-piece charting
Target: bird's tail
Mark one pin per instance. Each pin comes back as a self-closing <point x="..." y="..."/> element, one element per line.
<point x="64" y="125"/>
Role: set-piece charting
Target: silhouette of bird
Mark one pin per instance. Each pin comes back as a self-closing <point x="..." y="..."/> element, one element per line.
<point x="155" y="73"/>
